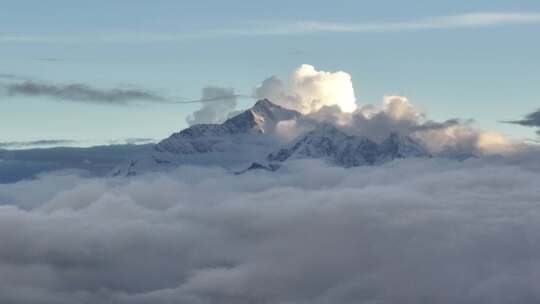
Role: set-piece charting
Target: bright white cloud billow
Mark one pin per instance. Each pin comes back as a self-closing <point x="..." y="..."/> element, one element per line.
<point x="434" y="231"/>
<point x="310" y="90"/>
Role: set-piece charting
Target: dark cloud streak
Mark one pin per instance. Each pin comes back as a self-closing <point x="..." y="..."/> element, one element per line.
<point x="530" y="120"/>
<point x="85" y="93"/>
<point x="80" y="93"/>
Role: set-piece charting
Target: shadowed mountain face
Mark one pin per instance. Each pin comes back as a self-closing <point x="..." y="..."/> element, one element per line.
<point x="260" y="119"/>
<point x="248" y="141"/>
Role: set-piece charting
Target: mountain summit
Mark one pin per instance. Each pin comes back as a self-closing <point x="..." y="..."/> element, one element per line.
<point x="261" y="118"/>
<point x="249" y="138"/>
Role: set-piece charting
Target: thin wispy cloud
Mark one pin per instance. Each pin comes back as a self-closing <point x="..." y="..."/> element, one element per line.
<point x="48" y="59"/>
<point x="54" y="143"/>
<point x="11" y="77"/>
<point x="214" y="99"/>
<point x="466" y="20"/>
<point x="36" y="143"/>
<point x="471" y="20"/>
<point x="132" y="141"/>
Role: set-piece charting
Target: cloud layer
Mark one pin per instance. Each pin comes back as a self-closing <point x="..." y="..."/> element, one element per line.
<point x="412" y="231"/>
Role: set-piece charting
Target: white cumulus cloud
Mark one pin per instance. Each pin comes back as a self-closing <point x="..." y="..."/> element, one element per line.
<point x="309" y="90"/>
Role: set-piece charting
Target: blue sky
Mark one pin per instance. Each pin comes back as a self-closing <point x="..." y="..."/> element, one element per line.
<point x="466" y="59"/>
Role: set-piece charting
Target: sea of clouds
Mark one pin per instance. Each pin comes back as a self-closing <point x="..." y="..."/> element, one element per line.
<point x="410" y="231"/>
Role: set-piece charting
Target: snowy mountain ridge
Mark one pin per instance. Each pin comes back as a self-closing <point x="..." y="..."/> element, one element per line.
<point x="327" y="141"/>
<point x="246" y="142"/>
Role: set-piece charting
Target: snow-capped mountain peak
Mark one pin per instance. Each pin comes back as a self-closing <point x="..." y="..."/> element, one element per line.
<point x="261" y="118"/>
<point x="271" y="111"/>
<point x="247" y="138"/>
<point x="267" y="114"/>
<point x="244" y="138"/>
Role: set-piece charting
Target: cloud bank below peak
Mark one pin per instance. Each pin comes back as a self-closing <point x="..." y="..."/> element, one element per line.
<point x="309" y="234"/>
